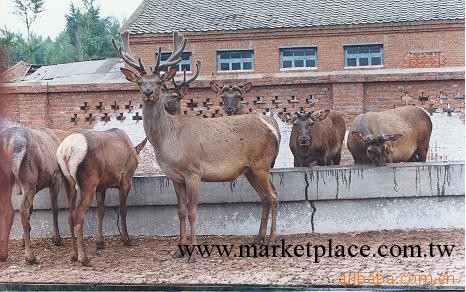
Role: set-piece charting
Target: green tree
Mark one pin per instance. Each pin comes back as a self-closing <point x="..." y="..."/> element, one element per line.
<point x="61" y="50"/>
<point x="90" y="33"/>
<point x="16" y="47"/>
<point x="28" y="10"/>
<point x="87" y="35"/>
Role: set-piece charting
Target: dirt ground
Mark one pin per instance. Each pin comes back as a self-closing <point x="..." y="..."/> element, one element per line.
<point x="150" y="261"/>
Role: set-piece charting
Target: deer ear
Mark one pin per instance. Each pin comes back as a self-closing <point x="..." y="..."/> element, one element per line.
<point x="214" y="86"/>
<point x="130" y="75"/>
<point x="246" y="87"/>
<point x="184" y="89"/>
<point x="321" y="115"/>
<point x="390" y="137"/>
<point x="170" y="74"/>
<point x="308" y="115"/>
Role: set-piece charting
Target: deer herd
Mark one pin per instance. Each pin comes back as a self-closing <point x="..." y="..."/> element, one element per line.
<point x="189" y="150"/>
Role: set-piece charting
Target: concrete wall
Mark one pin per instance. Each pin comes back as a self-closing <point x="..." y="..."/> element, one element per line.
<point x="324" y="199"/>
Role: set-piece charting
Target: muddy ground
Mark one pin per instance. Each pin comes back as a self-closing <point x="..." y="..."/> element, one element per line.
<point x="150" y="262"/>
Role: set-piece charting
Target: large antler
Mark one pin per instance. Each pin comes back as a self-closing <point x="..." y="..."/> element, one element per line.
<point x="125" y="53"/>
<point x="186" y="82"/>
<point x="179" y="43"/>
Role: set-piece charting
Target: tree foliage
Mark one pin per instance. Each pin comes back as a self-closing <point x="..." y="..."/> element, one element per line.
<point x="28" y="10"/>
<point x="91" y="34"/>
<point x="87" y="36"/>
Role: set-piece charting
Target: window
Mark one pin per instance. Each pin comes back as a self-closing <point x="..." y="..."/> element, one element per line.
<point x="235" y="60"/>
<point x="298" y="58"/>
<point x="364" y="55"/>
<point x="185" y="63"/>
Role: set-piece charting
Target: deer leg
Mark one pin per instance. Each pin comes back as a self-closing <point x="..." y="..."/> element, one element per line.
<point x="124" y="191"/>
<point x="422" y="153"/>
<point x="272" y="196"/>
<point x="6" y="216"/>
<point x="53" y="190"/>
<point x="71" y="199"/>
<point x="85" y="201"/>
<point x="192" y="191"/>
<point x="180" y="189"/>
<point x="337" y="159"/>
<point x="25" y="212"/>
<point x="100" y="199"/>
<point x="252" y="178"/>
<point x="31" y="208"/>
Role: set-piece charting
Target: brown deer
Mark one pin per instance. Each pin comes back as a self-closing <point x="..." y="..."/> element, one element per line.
<point x="396" y="135"/>
<point x="91" y="163"/>
<point x="232" y="96"/>
<point x="191" y="149"/>
<point x="316" y="138"/>
<point x="27" y="162"/>
<point x="172" y="96"/>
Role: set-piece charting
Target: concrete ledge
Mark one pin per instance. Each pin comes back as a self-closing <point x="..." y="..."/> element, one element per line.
<point x="323" y="199"/>
<point x="300" y="184"/>
<point x="324" y="216"/>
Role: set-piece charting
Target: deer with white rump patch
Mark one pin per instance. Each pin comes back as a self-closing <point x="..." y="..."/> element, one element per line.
<point x="28" y="165"/>
<point x="192" y="149"/>
<point x="92" y="162"/>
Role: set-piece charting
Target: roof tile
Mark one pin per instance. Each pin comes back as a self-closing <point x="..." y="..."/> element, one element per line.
<point x="162" y="16"/>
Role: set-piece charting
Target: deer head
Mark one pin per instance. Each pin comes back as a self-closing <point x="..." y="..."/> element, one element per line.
<point x="376" y="148"/>
<point x="231" y="96"/>
<point x="304" y="122"/>
<point x="173" y="95"/>
<point x="150" y="83"/>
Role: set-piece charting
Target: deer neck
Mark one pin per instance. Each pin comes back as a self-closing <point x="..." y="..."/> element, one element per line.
<point x="158" y="124"/>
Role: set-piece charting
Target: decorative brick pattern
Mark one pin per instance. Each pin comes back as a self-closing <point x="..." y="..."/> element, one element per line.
<point x="426" y="59"/>
<point x="90" y="106"/>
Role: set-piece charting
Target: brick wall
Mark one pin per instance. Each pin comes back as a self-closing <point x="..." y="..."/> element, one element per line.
<point x="403" y="45"/>
<point x="55" y="106"/>
<point x="426" y="59"/>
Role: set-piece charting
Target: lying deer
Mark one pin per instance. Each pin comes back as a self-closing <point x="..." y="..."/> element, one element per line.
<point x="27" y="161"/>
<point x="91" y="163"/>
<point x="396" y="135"/>
<point x="191" y="149"/>
<point x="232" y="95"/>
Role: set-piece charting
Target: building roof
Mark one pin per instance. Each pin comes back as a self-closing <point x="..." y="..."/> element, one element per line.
<point x="18" y="70"/>
<point x="164" y="16"/>
<point x="86" y="72"/>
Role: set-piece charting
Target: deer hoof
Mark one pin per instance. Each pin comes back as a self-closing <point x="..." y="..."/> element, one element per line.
<point x="178" y="254"/>
<point x="271" y="241"/>
<point x="74" y="258"/>
<point x="129" y="242"/>
<point x="258" y="240"/>
<point x="31" y="260"/>
<point x="192" y="259"/>
<point x="86" y="262"/>
<point x="57" y="241"/>
<point x="23" y="244"/>
<point x="100" y="244"/>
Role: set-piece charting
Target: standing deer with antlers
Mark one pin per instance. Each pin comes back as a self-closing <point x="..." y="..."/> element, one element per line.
<point x="191" y="149"/>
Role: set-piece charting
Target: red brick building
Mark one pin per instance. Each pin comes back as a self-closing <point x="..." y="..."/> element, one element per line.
<point x="351" y="56"/>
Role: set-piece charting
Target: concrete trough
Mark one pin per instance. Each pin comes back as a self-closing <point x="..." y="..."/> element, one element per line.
<point x="322" y="199"/>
